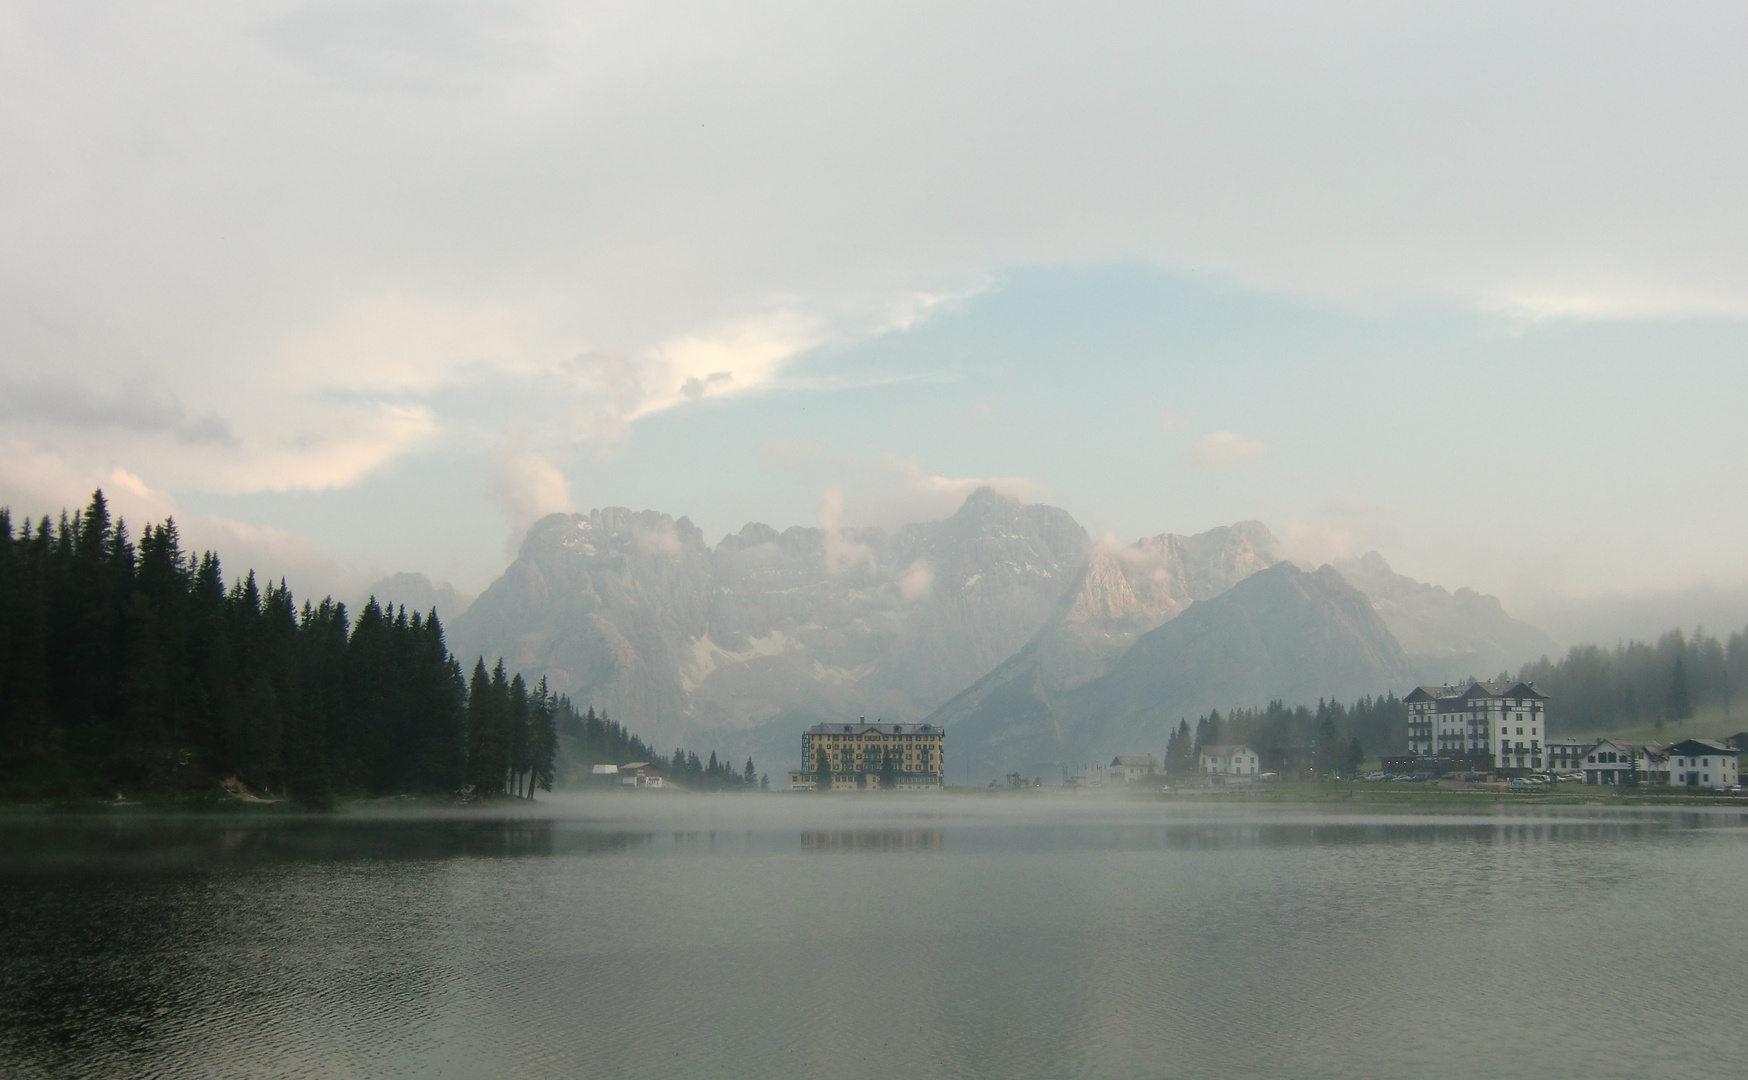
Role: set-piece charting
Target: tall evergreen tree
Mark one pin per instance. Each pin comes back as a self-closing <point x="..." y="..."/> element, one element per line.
<point x="1679" y="704"/>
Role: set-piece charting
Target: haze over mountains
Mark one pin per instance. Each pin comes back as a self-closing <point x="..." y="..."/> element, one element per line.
<point x="1039" y="647"/>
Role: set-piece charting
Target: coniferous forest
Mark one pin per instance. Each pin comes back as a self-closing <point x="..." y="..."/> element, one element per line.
<point x="130" y="667"/>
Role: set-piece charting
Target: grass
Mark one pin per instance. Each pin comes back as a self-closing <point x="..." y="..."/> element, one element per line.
<point x="1708" y="722"/>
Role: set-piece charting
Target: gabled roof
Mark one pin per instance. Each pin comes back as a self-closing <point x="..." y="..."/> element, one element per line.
<point x="1134" y="761"/>
<point x="1225" y="749"/>
<point x="1700" y="748"/>
<point x="863" y="727"/>
<point x="1431" y="693"/>
<point x="1485" y="689"/>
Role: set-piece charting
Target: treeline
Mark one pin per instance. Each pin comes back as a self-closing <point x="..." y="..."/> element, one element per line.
<point x="1331" y="739"/>
<point x="131" y="667"/>
<point x="599" y="739"/>
<point x="714" y="775"/>
<point x="1594" y="688"/>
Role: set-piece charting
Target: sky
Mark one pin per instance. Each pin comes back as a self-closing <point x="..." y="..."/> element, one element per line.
<point x="357" y="288"/>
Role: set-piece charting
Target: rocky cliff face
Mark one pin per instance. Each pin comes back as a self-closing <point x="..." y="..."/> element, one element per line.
<point x="1123" y="593"/>
<point x="635" y="613"/>
<point x="1447" y="636"/>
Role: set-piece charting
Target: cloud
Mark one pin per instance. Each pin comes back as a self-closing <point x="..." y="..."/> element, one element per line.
<point x="957" y="488"/>
<point x="137" y="406"/>
<point x="842" y="552"/>
<point x="527" y="486"/>
<point x="918" y="581"/>
<point x="908" y="492"/>
<point x="738" y="356"/>
<point x="1225" y="450"/>
<point x="1343" y="528"/>
<point x="361" y="202"/>
<point x="1171" y="422"/>
<point x="38" y="482"/>
<point x="348" y="443"/>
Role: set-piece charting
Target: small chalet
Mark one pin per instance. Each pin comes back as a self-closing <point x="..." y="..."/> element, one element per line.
<point x="641" y="774"/>
<point x="1128" y="768"/>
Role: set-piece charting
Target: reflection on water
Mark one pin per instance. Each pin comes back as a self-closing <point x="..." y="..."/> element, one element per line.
<point x="871" y="839"/>
<point x="694" y="936"/>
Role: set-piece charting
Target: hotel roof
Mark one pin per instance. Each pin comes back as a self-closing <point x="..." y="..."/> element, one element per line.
<point x="863" y="726"/>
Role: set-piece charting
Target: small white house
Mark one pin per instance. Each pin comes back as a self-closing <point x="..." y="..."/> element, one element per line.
<point x="1224" y="760"/>
<point x="1128" y="768"/>
<point x="1613" y="762"/>
<point x="1610" y="762"/>
<point x="1703" y="763"/>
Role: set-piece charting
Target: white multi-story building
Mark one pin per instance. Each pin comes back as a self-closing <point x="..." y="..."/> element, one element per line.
<point x="1703" y="763"/>
<point x="1500" y="722"/>
<point x="1225" y="760"/>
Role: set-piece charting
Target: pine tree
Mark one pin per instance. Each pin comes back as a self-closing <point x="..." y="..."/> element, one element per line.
<point x="1679" y="704"/>
<point x="543" y="739"/>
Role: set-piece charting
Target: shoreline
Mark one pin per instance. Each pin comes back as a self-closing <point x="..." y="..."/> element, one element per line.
<point x="1428" y="794"/>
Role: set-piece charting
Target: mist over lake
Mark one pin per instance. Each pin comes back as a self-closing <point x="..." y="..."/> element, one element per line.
<point x="1032" y="935"/>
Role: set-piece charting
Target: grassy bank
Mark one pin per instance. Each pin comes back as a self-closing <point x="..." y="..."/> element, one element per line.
<point x="1451" y="793"/>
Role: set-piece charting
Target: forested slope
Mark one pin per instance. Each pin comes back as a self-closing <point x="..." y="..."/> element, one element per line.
<point x="129" y="668"/>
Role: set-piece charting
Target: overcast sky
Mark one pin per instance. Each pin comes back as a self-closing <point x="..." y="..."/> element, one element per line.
<point x="358" y="287"/>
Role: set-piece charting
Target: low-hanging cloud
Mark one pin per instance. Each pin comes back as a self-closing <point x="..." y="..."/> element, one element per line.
<point x="918" y="581"/>
<point x="1225" y="450"/>
<point x="842" y="551"/>
<point x="527" y="486"/>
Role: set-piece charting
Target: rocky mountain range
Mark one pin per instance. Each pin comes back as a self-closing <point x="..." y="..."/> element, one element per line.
<point x="1446" y="635"/>
<point x="633" y="612"/>
<point x="1281" y="633"/>
<point x="1005" y="621"/>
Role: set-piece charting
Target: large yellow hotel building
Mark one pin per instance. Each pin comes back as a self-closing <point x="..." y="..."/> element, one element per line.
<point x="857" y="755"/>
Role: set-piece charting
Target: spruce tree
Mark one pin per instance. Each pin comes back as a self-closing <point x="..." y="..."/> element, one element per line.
<point x="1679" y="704"/>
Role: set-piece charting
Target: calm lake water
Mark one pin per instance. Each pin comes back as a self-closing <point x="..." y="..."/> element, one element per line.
<point x="694" y="936"/>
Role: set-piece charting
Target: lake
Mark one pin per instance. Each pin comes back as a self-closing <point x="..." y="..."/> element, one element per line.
<point x="666" y="935"/>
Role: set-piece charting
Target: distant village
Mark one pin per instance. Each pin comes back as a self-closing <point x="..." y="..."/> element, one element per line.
<point x="1479" y="731"/>
<point x="1476" y="731"/>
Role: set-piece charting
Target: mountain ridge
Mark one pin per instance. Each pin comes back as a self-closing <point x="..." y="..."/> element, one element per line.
<point x="742" y="644"/>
